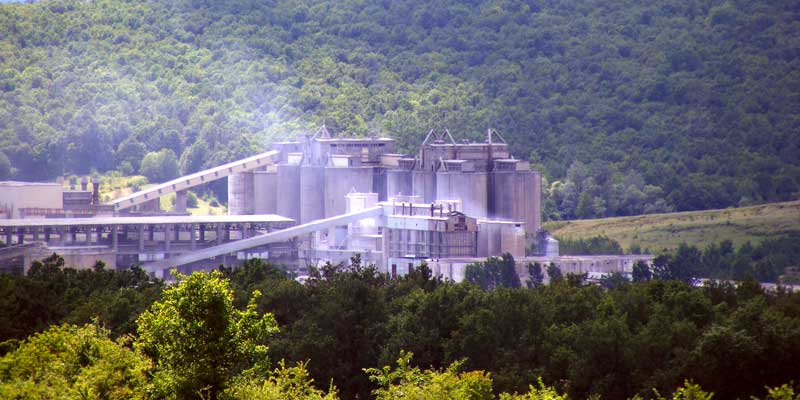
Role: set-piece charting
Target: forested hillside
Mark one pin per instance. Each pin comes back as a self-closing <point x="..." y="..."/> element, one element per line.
<point x="628" y="106"/>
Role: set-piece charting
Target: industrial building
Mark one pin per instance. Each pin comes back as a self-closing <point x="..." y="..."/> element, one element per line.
<point x="316" y="199"/>
<point x="314" y="175"/>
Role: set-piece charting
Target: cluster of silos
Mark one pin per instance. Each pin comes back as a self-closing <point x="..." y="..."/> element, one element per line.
<point x="307" y="186"/>
<point x="253" y="192"/>
<point x="314" y="176"/>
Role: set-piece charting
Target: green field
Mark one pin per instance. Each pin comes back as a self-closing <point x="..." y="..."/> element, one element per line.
<point x="656" y="232"/>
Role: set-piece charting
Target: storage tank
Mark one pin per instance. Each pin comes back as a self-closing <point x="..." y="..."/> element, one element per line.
<point x="469" y="187"/>
<point x="312" y="192"/>
<point x="240" y="193"/>
<point x="399" y="182"/>
<point x="264" y="192"/>
<point x="288" y="191"/>
<point x="339" y="181"/>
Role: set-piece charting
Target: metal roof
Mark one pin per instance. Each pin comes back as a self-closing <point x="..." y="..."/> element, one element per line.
<point x="159" y="220"/>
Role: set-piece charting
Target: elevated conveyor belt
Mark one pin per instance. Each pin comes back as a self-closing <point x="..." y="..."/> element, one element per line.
<point x="198" y="178"/>
<point x="278" y="236"/>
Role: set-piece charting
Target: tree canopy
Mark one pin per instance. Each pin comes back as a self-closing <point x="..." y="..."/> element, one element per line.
<point x="627" y="106"/>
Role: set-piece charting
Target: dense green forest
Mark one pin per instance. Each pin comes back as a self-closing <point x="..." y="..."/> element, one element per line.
<point x="223" y="335"/>
<point x="627" y="106"/>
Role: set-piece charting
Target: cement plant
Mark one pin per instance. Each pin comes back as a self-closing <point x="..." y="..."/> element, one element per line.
<point x="317" y="199"/>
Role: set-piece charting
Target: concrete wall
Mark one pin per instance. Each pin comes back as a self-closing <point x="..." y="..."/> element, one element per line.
<point x="78" y="258"/>
<point x="312" y="193"/>
<point x="399" y="181"/>
<point x="470" y="188"/>
<point x="339" y="182"/>
<point x="265" y="192"/>
<point x="288" y="191"/>
<point x="16" y="195"/>
<point x="241" y="193"/>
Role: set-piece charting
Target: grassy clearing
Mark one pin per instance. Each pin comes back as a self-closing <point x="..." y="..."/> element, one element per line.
<point x="699" y="228"/>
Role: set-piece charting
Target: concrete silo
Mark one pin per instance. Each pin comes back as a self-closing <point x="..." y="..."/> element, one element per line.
<point x="312" y="192"/>
<point x="240" y="193"/>
<point x="288" y="191"/>
<point x="265" y="187"/>
<point x="513" y="194"/>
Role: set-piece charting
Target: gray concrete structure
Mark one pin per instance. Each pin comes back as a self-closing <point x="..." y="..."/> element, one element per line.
<point x="312" y="193"/>
<point x="399" y="182"/>
<point x="287" y="191"/>
<point x="265" y="194"/>
<point x="470" y="188"/>
<point x="339" y="181"/>
<point x="241" y="193"/>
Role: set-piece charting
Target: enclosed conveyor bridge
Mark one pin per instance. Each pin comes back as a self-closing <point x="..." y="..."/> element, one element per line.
<point x="198" y="178"/>
<point x="260" y="240"/>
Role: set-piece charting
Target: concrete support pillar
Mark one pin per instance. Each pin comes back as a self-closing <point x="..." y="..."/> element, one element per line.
<point x="141" y="237"/>
<point x="8" y="237"/>
<point x="73" y="233"/>
<point x="227" y="233"/>
<point x="47" y="231"/>
<point x="87" y="232"/>
<point x="219" y="233"/>
<point x="98" y="234"/>
<point x="61" y="240"/>
<point x="20" y="235"/>
<point x="114" y="239"/>
<point x="244" y="230"/>
<point x="167" y="236"/>
<point x="192" y="241"/>
<point x="35" y="231"/>
<point x="152" y="234"/>
<point x="202" y="232"/>
<point x="177" y="233"/>
<point x="180" y="201"/>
